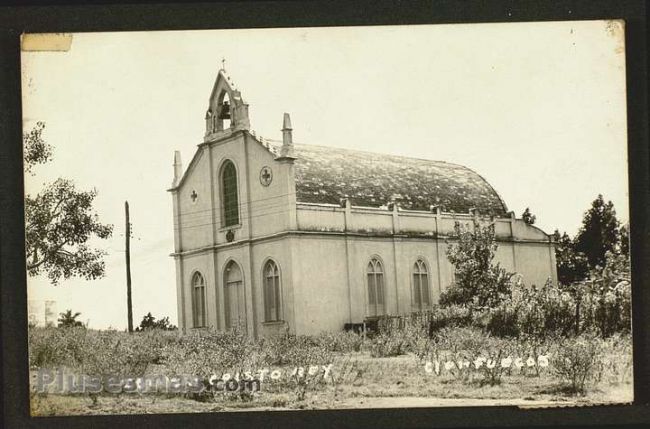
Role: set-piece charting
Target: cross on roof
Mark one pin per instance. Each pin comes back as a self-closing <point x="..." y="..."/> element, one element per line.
<point x="223" y="63"/>
<point x="193" y="195"/>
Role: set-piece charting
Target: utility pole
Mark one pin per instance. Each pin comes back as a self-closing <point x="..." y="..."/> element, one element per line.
<point x="127" y="235"/>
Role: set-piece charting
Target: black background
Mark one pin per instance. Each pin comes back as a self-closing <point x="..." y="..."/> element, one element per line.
<point x="44" y="16"/>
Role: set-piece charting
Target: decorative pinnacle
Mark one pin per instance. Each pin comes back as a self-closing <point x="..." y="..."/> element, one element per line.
<point x="286" y="124"/>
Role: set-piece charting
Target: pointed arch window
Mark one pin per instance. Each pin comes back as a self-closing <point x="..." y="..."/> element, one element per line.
<point x="229" y="194"/>
<point x="420" y="296"/>
<point x="234" y="296"/>
<point x="271" y="278"/>
<point x="198" y="300"/>
<point x="375" y="276"/>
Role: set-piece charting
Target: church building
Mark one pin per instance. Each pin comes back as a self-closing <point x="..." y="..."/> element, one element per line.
<point x="274" y="235"/>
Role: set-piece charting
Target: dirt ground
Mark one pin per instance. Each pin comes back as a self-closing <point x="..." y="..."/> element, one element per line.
<point x="76" y="405"/>
<point x="362" y="382"/>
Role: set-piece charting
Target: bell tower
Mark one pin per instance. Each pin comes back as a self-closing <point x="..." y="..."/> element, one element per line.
<point x="227" y="111"/>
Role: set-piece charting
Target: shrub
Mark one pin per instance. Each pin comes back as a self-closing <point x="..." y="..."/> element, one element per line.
<point x="616" y="359"/>
<point x="545" y="311"/>
<point x="576" y="361"/>
<point x="204" y="352"/>
<point x="452" y="316"/>
<point x="384" y="345"/>
<point x="117" y="353"/>
<point x="290" y="349"/>
<point x="52" y="347"/>
<point x="479" y="282"/>
<point x="472" y="351"/>
<point x="344" y="342"/>
<point x="605" y="299"/>
<point x="502" y="321"/>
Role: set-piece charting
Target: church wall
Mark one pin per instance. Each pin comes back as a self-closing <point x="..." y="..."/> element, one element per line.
<point x="268" y="206"/>
<point x="407" y="253"/>
<point x="412" y="222"/>
<point x="446" y="269"/>
<point x="522" y="231"/>
<point x="320" y="275"/>
<point x="230" y="149"/>
<point x="536" y="262"/>
<point x="321" y="218"/>
<point x="372" y="220"/>
<point x="505" y="256"/>
<point x="320" y="284"/>
<point x="191" y="264"/>
<point x="240" y="255"/>
<point x="196" y="216"/>
<point x="280" y="250"/>
<point x="361" y="251"/>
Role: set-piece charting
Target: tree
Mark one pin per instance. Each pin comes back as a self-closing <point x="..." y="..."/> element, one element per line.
<point x="572" y="266"/>
<point x="150" y="322"/>
<point x="528" y="217"/>
<point x="59" y="222"/>
<point x="69" y="320"/>
<point x="599" y="233"/>
<point x="625" y="240"/>
<point x="478" y="281"/>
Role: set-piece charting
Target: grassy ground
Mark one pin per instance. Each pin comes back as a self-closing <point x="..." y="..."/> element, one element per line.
<point x="360" y="381"/>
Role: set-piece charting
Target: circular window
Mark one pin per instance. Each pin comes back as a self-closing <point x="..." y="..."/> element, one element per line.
<point x="266" y="176"/>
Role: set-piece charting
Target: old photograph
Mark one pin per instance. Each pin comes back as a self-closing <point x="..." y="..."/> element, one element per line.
<point x="327" y="218"/>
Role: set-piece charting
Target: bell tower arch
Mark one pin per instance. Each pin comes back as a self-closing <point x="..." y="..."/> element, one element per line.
<point x="227" y="111"/>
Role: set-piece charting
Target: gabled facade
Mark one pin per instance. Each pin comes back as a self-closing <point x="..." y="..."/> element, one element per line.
<point x="272" y="235"/>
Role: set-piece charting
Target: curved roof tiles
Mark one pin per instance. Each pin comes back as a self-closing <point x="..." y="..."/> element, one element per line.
<point x="328" y="174"/>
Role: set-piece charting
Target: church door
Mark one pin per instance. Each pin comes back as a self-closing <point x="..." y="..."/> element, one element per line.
<point x="234" y="297"/>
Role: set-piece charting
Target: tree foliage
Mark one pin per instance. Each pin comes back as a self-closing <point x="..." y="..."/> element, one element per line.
<point x="599" y="233"/>
<point x="625" y="240"/>
<point x="59" y="222"/>
<point x="36" y="150"/>
<point x="479" y="282"/>
<point x="150" y="322"/>
<point x="69" y="320"/>
<point x="572" y="266"/>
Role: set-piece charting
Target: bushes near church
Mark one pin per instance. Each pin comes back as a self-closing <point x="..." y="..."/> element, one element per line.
<point x="490" y="312"/>
<point x="489" y="329"/>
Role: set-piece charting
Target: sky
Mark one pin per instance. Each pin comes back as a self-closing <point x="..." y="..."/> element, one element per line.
<point x="537" y="109"/>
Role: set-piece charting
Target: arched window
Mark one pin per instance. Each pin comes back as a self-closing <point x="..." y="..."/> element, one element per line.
<point x="229" y="194"/>
<point x="272" y="300"/>
<point x="420" y="295"/>
<point x="198" y="300"/>
<point x="375" y="273"/>
<point x="234" y="296"/>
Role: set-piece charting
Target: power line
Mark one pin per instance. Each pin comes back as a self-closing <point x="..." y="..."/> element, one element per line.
<point x="185" y="227"/>
<point x="208" y="212"/>
<point x="243" y="203"/>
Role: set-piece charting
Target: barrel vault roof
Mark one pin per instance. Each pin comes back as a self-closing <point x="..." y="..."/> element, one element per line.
<point x="328" y="174"/>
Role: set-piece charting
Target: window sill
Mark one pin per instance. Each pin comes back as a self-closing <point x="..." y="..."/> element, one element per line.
<point x="227" y="228"/>
<point x="273" y="323"/>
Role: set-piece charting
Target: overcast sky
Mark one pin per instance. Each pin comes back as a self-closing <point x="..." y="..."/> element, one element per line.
<point x="538" y="109"/>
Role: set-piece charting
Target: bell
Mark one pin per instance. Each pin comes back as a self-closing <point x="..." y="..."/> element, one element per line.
<point x="225" y="111"/>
